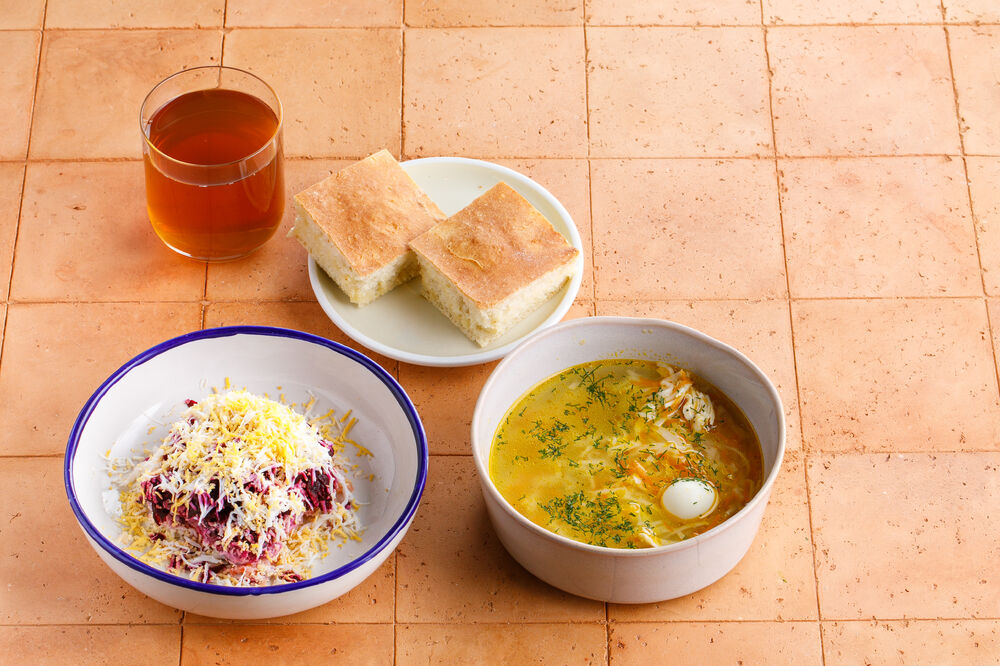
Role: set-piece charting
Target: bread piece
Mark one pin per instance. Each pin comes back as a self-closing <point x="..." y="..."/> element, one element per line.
<point x="492" y="263"/>
<point x="357" y="224"/>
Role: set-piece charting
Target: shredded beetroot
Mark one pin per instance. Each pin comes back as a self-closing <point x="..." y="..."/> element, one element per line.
<point x="225" y="508"/>
<point x="318" y="489"/>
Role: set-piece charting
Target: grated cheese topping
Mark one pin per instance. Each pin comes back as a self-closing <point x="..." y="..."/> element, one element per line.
<point x="243" y="490"/>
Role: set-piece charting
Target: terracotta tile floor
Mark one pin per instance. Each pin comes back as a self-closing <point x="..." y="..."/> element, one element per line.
<point x="814" y="182"/>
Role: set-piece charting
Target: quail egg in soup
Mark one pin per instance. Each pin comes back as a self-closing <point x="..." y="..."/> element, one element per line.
<point x="626" y="454"/>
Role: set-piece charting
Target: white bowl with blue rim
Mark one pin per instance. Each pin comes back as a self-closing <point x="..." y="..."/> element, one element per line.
<point x="135" y="406"/>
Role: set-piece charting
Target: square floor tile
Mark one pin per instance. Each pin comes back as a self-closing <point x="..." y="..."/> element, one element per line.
<point x="314" y="13"/>
<point x="3" y="320"/>
<point x="157" y="14"/>
<point x="88" y="646"/>
<point x="306" y="316"/>
<point x="85" y="235"/>
<point x="21" y="14"/>
<point x="501" y="643"/>
<point x="677" y="92"/>
<point x="51" y="575"/>
<point x="445" y="398"/>
<point x="288" y="644"/>
<point x="371" y="601"/>
<point x="971" y="11"/>
<point x="17" y="90"/>
<point x="452" y="568"/>
<point x="862" y="90"/>
<point x="74" y="347"/>
<point x="11" y="180"/>
<point x="454" y="13"/>
<point x="874" y="375"/>
<point x="984" y="174"/>
<point x="672" y="12"/>
<point x="569" y="182"/>
<point x="346" y="103"/>
<point x="975" y="56"/>
<point x="759" y="329"/>
<point x="91" y="86"/>
<point x="716" y="643"/>
<point x="798" y="12"/>
<point x="495" y="92"/>
<point x="774" y="580"/>
<point x="279" y="270"/>
<point x="686" y="229"/>
<point x="902" y="535"/>
<point x="909" y="641"/>
<point x="865" y="227"/>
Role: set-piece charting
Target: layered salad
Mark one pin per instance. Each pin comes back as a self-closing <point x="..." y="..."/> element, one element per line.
<point x="243" y="490"/>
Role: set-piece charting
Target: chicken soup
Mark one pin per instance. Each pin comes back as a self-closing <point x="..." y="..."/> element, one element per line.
<point x="626" y="454"/>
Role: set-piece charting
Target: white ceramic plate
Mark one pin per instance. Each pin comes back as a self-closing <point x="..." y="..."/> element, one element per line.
<point x="134" y="407"/>
<point x="402" y="324"/>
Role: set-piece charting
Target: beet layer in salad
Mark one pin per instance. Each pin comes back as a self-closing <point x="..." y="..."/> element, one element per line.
<point x="243" y="491"/>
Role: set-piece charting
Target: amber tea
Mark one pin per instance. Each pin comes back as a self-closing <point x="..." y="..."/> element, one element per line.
<point x="214" y="177"/>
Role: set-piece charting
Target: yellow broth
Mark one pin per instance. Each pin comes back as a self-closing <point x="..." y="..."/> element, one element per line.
<point x="588" y="453"/>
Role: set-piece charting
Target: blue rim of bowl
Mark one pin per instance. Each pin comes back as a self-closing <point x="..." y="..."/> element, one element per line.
<point x="226" y="331"/>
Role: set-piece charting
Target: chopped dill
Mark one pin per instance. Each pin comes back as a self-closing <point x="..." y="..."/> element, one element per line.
<point x="592" y="384"/>
<point x="552" y="450"/>
<point x="590" y="457"/>
<point x="597" y="519"/>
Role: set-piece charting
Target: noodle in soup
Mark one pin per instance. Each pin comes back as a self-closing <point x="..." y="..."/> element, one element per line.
<point x="626" y="454"/>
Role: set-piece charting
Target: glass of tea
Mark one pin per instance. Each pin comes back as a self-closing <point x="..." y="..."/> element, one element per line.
<point x="212" y="149"/>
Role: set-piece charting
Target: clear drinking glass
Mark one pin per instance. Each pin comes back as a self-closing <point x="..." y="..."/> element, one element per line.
<point x="212" y="149"/>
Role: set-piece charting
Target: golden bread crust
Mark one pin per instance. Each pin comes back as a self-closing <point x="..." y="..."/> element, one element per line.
<point x="370" y="211"/>
<point x="494" y="246"/>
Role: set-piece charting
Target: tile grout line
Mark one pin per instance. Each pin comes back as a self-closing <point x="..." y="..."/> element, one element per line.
<point x="593" y="251"/>
<point x="968" y="191"/>
<point x="542" y="158"/>
<point x="499" y="623"/>
<point x="607" y="633"/>
<point x="597" y="301"/>
<point x="402" y="147"/>
<point x="27" y="146"/>
<point x="680" y="299"/>
<point x="402" y="82"/>
<point x="24" y="179"/>
<point x="590" y="171"/>
<point x="791" y="329"/>
<point x="395" y="599"/>
<point x="10" y="280"/>
<point x="222" y="62"/>
<point x="134" y="301"/>
<point x="487" y="26"/>
<point x="527" y="623"/>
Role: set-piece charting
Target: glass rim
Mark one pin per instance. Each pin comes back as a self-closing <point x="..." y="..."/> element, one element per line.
<point x="151" y="146"/>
